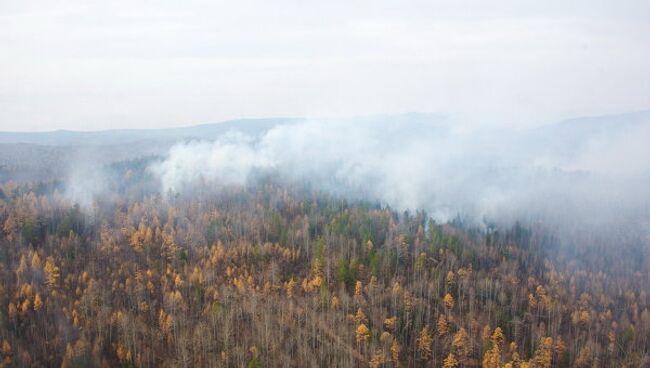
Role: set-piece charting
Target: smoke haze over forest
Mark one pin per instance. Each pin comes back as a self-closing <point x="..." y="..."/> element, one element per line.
<point x="286" y="183"/>
<point x="418" y="161"/>
<point x="589" y="171"/>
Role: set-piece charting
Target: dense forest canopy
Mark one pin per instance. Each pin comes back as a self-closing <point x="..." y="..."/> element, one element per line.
<point x="271" y="273"/>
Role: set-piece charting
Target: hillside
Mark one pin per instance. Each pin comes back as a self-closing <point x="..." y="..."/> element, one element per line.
<point x="379" y="241"/>
<point x="252" y="127"/>
<point x="272" y="275"/>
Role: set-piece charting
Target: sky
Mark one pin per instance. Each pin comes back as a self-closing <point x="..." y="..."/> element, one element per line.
<point x="89" y="65"/>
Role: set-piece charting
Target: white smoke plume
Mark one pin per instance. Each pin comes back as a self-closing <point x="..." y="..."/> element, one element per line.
<point x="427" y="162"/>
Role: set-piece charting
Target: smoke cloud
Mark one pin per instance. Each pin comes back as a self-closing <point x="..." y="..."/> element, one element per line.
<point x="590" y="172"/>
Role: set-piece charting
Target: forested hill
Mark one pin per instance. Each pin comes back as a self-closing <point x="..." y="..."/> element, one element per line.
<point x="252" y="127"/>
<point x="103" y="266"/>
<point x="275" y="275"/>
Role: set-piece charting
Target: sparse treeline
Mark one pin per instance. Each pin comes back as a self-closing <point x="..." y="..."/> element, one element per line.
<point x="270" y="275"/>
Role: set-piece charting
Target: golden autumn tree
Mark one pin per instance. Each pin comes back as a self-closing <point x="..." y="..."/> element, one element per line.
<point x="290" y="286"/>
<point x="395" y="350"/>
<point x="543" y="357"/>
<point x="492" y="358"/>
<point x="424" y="342"/>
<point x="36" y="261"/>
<point x="448" y="301"/>
<point x="362" y="333"/>
<point x="6" y="348"/>
<point x="442" y="326"/>
<point x="390" y="323"/>
<point x="358" y="289"/>
<point x="451" y="278"/>
<point x="360" y="317"/>
<point x="450" y="361"/>
<point x="460" y="344"/>
<point x="52" y="273"/>
<point x="38" y="302"/>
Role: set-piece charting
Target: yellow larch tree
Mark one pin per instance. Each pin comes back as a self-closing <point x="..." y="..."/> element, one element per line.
<point x="451" y="278"/>
<point x="514" y="354"/>
<point x="395" y="349"/>
<point x="450" y="361"/>
<point x="448" y="300"/>
<point x="165" y="321"/>
<point x="385" y="337"/>
<point x="334" y="302"/>
<point x="362" y="333"/>
<point x="291" y="285"/>
<point x="137" y="239"/>
<point x="390" y="323"/>
<point x="52" y="273"/>
<point x="358" y="288"/>
<point x="611" y="338"/>
<point x="36" y="261"/>
<point x="532" y="301"/>
<point x="12" y="310"/>
<point x="460" y="343"/>
<point x="397" y="289"/>
<point x="544" y="354"/>
<point x="497" y="337"/>
<point x="360" y="317"/>
<point x="424" y="342"/>
<point x="196" y="278"/>
<point x="24" y="307"/>
<point x="38" y="302"/>
<point x="492" y="358"/>
<point x="178" y="281"/>
<point x="442" y="326"/>
<point x="6" y="347"/>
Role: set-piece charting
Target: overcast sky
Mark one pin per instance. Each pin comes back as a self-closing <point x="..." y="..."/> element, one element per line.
<point x="97" y="65"/>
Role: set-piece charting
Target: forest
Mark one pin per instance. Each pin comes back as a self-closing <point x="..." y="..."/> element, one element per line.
<point x="271" y="274"/>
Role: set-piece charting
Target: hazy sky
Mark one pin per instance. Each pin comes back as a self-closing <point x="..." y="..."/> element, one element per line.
<point x="97" y="65"/>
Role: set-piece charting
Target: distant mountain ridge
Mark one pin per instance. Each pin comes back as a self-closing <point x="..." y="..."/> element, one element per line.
<point x="611" y="134"/>
<point x="565" y="132"/>
<point x="251" y="127"/>
<point x="613" y="139"/>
